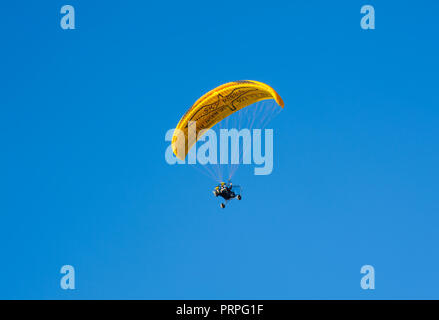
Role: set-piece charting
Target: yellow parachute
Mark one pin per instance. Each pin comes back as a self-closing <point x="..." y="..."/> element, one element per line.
<point x="216" y="105"/>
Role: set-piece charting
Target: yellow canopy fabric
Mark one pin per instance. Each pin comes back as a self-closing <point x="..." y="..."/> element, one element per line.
<point x="216" y="105"/>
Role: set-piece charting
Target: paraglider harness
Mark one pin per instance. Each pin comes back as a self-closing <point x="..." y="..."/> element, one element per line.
<point x="224" y="191"/>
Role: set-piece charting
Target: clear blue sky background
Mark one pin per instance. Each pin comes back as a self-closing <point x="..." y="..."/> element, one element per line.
<point x="83" y="114"/>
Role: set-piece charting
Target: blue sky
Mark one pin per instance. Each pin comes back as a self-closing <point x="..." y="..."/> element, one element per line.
<point x="84" y="181"/>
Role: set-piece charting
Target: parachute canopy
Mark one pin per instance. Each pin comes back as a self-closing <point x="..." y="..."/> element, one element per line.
<point x="216" y="105"/>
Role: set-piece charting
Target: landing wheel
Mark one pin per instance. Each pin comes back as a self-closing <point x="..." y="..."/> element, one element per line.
<point x="239" y="197"/>
<point x="222" y="205"/>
